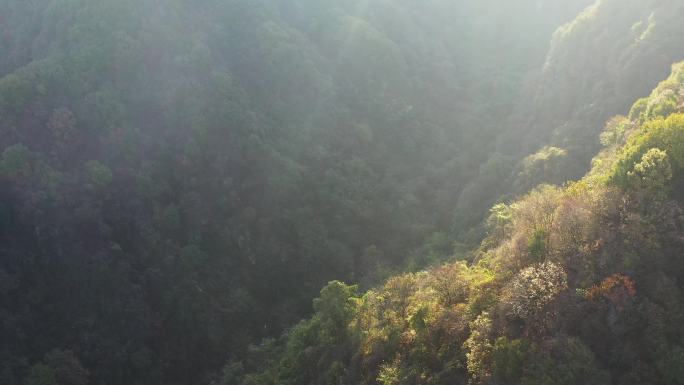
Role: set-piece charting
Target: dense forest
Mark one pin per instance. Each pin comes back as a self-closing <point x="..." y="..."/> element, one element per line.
<point x="179" y="179"/>
<point x="578" y="284"/>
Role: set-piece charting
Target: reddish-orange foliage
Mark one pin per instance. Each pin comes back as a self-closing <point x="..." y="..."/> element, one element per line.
<point x="617" y="289"/>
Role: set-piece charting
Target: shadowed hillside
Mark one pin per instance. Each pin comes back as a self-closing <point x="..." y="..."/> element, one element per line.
<point x="573" y="285"/>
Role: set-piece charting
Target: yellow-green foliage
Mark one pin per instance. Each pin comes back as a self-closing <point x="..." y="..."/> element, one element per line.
<point x="655" y="122"/>
<point x="665" y="99"/>
<point x="666" y="134"/>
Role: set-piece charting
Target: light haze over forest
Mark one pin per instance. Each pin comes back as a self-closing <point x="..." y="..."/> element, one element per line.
<point x="341" y="192"/>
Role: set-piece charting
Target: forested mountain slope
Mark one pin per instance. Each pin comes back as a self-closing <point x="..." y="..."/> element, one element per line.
<point x="579" y="284"/>
<point x="179" y="178"/>
<point x="598" y="64"/>
<point x="613" y="53"/>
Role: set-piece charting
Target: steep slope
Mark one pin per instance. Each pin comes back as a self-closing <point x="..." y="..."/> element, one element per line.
<point x="597" y="65"/>
<point x="575" y="285"/>
<point x="612" y="53"/>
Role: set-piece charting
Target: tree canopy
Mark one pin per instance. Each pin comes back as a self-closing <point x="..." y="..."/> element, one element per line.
<point x="179" y="180"/>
